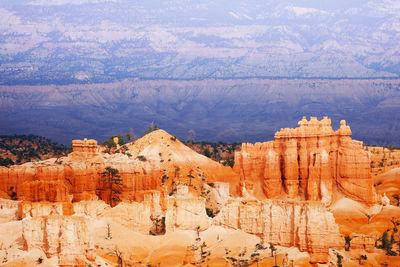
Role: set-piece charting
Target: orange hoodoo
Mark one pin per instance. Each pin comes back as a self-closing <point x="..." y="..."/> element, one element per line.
<point x="309" y="162"/>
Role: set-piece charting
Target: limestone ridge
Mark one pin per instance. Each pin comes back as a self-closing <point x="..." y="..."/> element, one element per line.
<point x="310" y="162"/>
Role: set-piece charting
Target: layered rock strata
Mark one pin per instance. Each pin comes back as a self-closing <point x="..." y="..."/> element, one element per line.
<point x="150" y="163"/>
<point x="363" y="242"/>
<point x="78" y="177"/>
<point x="303" y="224"/>
<point x="306" y="225"/>
<point x="309" y="162"/>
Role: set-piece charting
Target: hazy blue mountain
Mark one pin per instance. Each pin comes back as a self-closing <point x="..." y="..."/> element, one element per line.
<point x="216" y="67"/>
<point x="86" y="41"/>
<point x="217" y="110"/>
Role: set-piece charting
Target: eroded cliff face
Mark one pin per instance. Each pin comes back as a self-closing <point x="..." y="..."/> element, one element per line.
<point x="63" y="236"/>
<point x="151" y="162"/>
<point x="310" y="162"/>
<point x="306" y="225"/>
<point x="78" y="177"/>
<point x="173" y="187"/>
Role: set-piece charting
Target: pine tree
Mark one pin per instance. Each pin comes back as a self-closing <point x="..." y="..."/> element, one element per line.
<point x="114" y="183"/>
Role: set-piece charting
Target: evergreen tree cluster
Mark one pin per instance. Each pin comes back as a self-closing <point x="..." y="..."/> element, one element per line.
<point x="17" y="149"/>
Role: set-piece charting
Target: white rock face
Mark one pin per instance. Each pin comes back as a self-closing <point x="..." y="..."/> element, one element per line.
<point x="186" y="214"/>
<point x="310" y="227"/>
<point x="63" y="236"/>
<point x="385" y="200"/>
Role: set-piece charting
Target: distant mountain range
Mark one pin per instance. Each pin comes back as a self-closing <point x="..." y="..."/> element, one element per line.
<point x="229" y="70"/>
<point x="92" y="41"/>
<point x="216" y="110"/>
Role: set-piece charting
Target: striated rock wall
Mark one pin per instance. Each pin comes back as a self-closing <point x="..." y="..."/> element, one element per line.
<point x="303" y="224"/>
<point x="309" y="162"/>
<point x="363" y="242"/>
<point x="54" y="191"/>
<point x="63" y="236"/>
<point x="55" y="180"/>
<point x="306" y="225"/>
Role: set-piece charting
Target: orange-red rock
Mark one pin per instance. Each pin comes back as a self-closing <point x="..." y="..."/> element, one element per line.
<point x="141" y="169"/>
<point x="364" y="242"/>
<point x="53" y="191"/>
<point x="308" y="162"/>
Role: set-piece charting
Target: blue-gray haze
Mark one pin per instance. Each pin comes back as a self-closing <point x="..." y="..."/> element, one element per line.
<point x="66" y="42"/>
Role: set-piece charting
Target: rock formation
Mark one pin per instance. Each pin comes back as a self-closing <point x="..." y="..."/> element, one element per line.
<point x="308" y="226"/>
<point x="63" y="236"/>
<point x="169" y="188"/>
<point x="53" y="191"/>
<point x="154" y="156"/>
<point x="309" y="162"/>
<point x="363" y="242"/>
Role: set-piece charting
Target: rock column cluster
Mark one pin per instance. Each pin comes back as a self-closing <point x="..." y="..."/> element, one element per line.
<point x="309" y="162"/>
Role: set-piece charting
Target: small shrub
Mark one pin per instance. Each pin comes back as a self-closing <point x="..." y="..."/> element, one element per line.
<point x="40" y="260"/>
<point x="347" y="239"/>
<point x="339" y="260"/>
<point x="210" y="213"/>
<point x="141" y="158"/>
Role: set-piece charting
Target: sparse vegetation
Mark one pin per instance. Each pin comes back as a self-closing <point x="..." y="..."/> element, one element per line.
<point x="116" y="252"/>
<point x="369" y="217"/>
<point x="141" y="158"/>
<point x="158" y="227"/>
<point x="347" y="240"/>
<point x="13" y="194"/>
<point x="361" y="259"/>
<point x="18" y="149"/>
<point x="113" y="183"/>
<point x="397" y="198"/>
<point x="207" y="152"/>
<point x="339" y="260"/>
<point x="39" y="260"/>
<point x="210" y="213"/>
<point x="190" y="176"/>
<point x="109" y="236"/>
<point x="152" y="127"/>
<point x="221" y="152"/>
<point x="111" y="146"/>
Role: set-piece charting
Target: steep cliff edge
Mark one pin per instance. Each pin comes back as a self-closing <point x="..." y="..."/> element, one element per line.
<point x="310" y="162"/>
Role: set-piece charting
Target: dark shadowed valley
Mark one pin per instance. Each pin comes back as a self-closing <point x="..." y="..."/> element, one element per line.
<point x="217" y="110"/>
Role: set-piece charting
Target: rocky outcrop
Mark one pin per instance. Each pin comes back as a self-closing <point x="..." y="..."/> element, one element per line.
<point x="54" y="180"/>
<point x="8" y="210"/>
<point x="63" y="236"/>
<point x="187" y="214"/>
<point x="306" y="225"/>
<point x="363" y="242"/>
<point x="308" y="162"/>
<point x="37" y="209"/>
<point x="155" y="160"/>
<point x="84" y="146"/>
